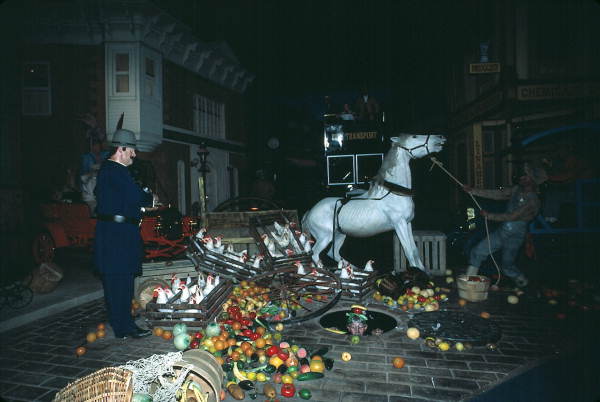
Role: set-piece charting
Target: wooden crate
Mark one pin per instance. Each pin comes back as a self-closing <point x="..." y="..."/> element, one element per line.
<point x="360" y="285"/>
<point x="209" y="309"/>
<point x="263" y="224"/>
<point x="432" y="248"/>
<point x="219" y="264"/>
<point x="235" y="227"/>
<point x="157" y="272"/>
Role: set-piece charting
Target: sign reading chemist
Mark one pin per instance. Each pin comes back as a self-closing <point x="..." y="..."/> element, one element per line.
<point x="558" y="91"/>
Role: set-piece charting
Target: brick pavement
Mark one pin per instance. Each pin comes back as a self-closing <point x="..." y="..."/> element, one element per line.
<point x="38" y="359"/>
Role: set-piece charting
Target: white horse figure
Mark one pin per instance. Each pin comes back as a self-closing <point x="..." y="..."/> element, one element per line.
<point x="387" y="205"/>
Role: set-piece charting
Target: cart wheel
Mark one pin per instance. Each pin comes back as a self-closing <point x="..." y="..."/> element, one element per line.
<point x="299" y="297"/>
<point x="145" y="290"/>
<point x="43" y="248"/>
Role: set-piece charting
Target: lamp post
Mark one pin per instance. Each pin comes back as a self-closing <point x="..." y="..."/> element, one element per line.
<point x="204" y="169"/>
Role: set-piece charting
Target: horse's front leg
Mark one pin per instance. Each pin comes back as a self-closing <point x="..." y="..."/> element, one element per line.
<point x="404" y="232"/>
<point x="338" y="240"/>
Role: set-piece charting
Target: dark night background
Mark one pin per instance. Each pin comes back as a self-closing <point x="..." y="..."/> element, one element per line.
<point x="303" y="51"/>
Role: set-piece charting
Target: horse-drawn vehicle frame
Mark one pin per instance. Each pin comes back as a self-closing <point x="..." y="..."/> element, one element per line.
<point x="71" y="225"/>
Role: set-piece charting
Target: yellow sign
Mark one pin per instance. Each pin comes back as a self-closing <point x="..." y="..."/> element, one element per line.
<point x="558" y="91"/>
<point x="484" y="68"/>
<point x="361" y="135"/>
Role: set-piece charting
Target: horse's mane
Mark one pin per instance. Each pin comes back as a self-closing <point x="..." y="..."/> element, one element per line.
<point x="389" y="162"/>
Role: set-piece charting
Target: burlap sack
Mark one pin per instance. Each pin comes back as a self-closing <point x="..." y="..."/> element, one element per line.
<point x="45" y="278"/>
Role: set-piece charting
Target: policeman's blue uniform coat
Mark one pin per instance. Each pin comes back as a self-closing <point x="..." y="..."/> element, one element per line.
<point x="118" y="247"/>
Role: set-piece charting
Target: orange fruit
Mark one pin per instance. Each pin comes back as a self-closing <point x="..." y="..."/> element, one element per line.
<point x="101" y="333"/>
<point x="91" y="337"/>
<point x="80" y="351"/>
<point x="231" y="342"/>
<point x="260" y="330"/>
<point x="249" y="352"/>
<point x="101" y="326"/>
<point x="462" y="302"/>
<point x="158" y="331"/>
<point x="235" y="356"/>
<point x="398" y="362"/>
<point x="220" y="360"/>
<point x="260" y="342"/>
<point x="224" y="335"/>
<point x="485" y="314"/>
<point x="236" y="325"/>
<point x="167" y="335"/>
<point x="214" y="339"/>
<point x="245" y="346"/>
<point x="219" y="345"/>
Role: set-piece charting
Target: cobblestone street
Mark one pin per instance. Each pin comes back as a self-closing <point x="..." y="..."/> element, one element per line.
<point x="38" y="359"/>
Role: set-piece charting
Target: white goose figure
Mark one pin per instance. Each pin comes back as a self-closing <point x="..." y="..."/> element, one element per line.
<point x="369" y="266"/>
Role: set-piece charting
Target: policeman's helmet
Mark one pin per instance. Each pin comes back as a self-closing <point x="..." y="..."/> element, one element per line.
<point x="124" y="138"/>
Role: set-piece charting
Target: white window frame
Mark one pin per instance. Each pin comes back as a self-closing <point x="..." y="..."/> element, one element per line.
<point x="131" y="72"/>
<point x="209" y="117"/>
<point x="30" y="90"/>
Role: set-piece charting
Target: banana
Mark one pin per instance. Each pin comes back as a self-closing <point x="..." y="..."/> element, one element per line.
<point x="358" y="306"/>
<point x="335" y="331"/>
<point x="237" y="374"/>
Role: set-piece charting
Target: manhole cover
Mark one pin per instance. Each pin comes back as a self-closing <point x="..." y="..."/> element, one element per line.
<point x="457" y="327"/>
<point x="375" y="320"/>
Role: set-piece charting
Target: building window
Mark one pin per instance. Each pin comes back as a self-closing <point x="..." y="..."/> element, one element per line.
<point x="209" y="117"/>
<point x="122" y="72"/>
<point x="149" y="78"/>
<point x="37" y="99"/>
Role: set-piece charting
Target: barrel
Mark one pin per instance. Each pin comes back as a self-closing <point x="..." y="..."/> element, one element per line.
<point x="204" y="371"/>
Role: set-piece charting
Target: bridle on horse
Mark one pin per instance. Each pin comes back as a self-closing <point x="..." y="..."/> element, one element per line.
<point x="425" y="144"/>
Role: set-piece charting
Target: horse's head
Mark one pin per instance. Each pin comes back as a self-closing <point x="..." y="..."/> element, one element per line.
<point x="419" y="145"/>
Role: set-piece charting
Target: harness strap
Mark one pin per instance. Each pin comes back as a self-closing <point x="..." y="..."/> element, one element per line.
<point x="425" y="144"/>
<point x="398" y="189"/>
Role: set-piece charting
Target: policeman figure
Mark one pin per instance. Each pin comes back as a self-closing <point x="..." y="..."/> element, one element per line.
<point x="118" y="243"/>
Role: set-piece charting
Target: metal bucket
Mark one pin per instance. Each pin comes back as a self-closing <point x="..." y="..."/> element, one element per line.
<point x="204" y="370"/>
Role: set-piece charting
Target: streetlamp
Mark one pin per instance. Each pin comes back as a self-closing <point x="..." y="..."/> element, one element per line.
<point x="204" y="169"/>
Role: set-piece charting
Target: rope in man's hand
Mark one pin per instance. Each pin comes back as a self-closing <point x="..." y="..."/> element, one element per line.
<point x="484" y="213"/>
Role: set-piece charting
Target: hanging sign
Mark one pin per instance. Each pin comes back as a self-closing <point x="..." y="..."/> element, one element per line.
<point x="484" y="68"/>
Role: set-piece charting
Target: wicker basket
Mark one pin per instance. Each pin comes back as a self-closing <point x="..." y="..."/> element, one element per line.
<point x="108" y="384"/>
<point x="473" y="290"/>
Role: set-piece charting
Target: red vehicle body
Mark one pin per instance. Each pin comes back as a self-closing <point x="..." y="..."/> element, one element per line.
<point x="70" y="225"/>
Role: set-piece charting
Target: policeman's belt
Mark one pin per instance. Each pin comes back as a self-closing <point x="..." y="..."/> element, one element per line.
<point x="118" y="219"/>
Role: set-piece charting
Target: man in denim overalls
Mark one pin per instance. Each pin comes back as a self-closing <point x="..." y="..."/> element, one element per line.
<point x="523" y="206"/>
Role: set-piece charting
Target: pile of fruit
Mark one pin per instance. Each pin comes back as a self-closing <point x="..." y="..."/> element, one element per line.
<point x="250" y="351"/>
<point x="254" y="301"/>
<point x="416" y="299"/>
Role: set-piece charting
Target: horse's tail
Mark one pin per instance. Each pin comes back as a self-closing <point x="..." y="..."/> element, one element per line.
<point x="305" y="223"/>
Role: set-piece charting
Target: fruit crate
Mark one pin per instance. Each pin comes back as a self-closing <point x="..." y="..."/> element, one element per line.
<point x="265" y="225"/>
<point x="432" y="249"/>
<point x="219" y="264"/>
<point x="208" y="309"/>
<point x="359" y="285"/>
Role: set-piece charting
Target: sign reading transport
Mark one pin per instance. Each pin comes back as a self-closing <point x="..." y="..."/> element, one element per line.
<point x="484" y="68"/>
<point x="361" y="135"/>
